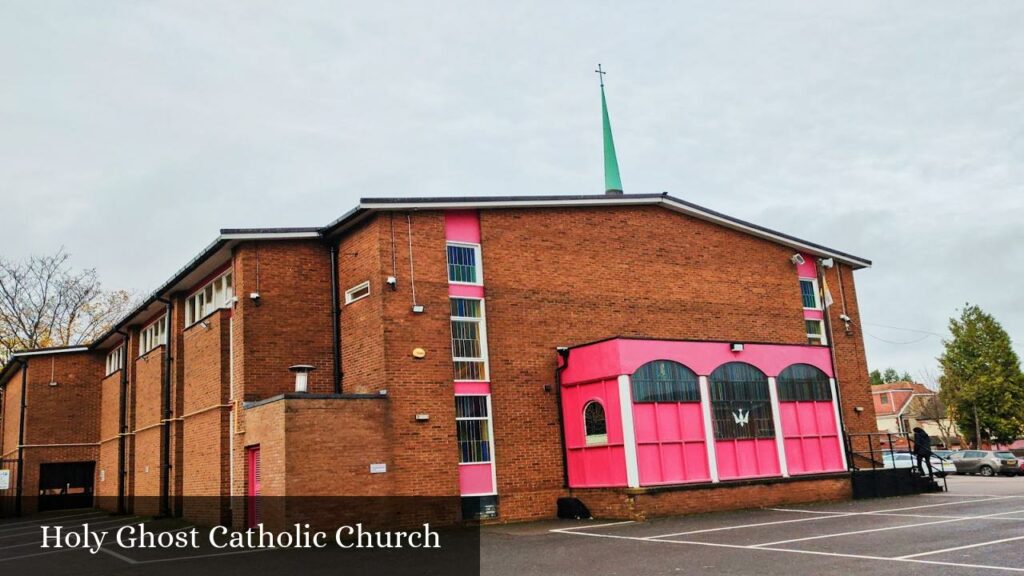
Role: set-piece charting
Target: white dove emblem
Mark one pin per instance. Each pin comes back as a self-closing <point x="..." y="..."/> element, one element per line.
<point x="741" y="417"/>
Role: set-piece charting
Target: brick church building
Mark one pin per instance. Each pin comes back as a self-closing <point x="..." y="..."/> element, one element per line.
<point x="638" y="352"/>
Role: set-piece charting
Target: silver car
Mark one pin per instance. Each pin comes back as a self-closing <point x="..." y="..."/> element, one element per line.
<point x="985" y="462"/>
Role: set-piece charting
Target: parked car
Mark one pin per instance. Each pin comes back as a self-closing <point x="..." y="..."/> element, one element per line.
<point x="907" y="460"/>
<point x="985" y="462"/>
<point x="944" y="454"/>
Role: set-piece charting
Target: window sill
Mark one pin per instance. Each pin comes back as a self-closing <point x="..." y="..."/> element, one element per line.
<point x="201" y="320"/>
<point x="151" y="350"/>
<point x="477" y="284"/>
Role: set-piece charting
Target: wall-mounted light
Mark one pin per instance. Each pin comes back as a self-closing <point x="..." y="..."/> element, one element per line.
<point x="205" y="324"/>
<point x="827" y="262"/>
<point x="301" y="376"/>
<point x="797" y="259"/>
<point x="422" y="417"/>
<point x="858" y="409"/>
<point x="417" y="309"/>
<point x="736" y="347"/>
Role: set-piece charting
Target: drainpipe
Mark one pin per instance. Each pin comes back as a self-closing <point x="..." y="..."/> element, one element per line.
<point x="18" y="491"/>
<point x="832" y="352"/>
<point x="122" y="427"/>
<point x="165" y="430"/>
<point x="335" y="319"/>
<point x="563" y="353"/>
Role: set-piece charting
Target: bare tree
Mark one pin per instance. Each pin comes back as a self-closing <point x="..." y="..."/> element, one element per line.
<point x="932" y="409"/>
<point x="44" y="302"/>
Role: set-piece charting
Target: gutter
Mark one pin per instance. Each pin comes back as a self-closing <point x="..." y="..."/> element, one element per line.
<point x="563" y="353"/>
<point x="165" y="421"/>
<point x="335" y="320"/>
<point x="122" y="428"/>
<point x="19" y="490"/>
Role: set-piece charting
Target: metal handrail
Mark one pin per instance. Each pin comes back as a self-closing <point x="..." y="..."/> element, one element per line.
<point x="873" y="439"/>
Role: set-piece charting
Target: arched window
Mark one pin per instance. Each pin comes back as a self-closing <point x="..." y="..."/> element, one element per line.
<point x="803" y="383"/>
<point x="594" y="424"/>
<point x="665" y="381"/>
<point x="741" y="405"/>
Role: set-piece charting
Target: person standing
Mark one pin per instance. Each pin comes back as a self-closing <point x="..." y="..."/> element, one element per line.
<point x="923" y="450"/>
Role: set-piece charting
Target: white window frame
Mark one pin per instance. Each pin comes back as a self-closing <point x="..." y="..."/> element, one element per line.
<point x="817" y="294"/>
<point x="822" y="337"/>
<point x="214" y="295"/>
<point x="490" y="432"/>
<point x="349" y="293"/>
<point x="482" y="325"/>
<point x="477" y="255"/>
<point x="115" y="360"/>
<point x="591" y="440"/>
<point x="153" y="336"/>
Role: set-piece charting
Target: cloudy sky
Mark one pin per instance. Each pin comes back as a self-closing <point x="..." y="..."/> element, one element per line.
<point x="131" y="132"/>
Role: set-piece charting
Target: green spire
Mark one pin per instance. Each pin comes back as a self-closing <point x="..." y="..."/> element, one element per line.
<point x="612" y="182"/>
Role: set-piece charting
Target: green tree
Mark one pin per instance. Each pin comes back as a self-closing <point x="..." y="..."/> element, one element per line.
<point x="981" y="378"/>
<point x="906" y="377"/>
<point x="876" y="378"/>
<point x="890" y="376"/>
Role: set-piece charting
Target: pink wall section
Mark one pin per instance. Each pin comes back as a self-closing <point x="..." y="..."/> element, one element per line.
<point x="472" y="388"/>
<point x="808" y="269"/>
<point x="475" y="479"/>
<point x="462" y="226"/>
<point x="465" y="291"/>
<point x="670" y="436"/>
<point x="747" y="458"/>
<point x="624" y="356"/>
<point x="811" y="437"/>
<point x="670" y="443"/>
<point x="593" y="466"/>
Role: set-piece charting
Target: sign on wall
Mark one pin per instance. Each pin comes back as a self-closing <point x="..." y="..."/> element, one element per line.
<point x="5" y="479"/>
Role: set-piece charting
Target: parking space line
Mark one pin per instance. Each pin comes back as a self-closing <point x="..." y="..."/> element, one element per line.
<point x="895" y="514"/>
<point x="22" y="525"/>
<point x="119" y="556"/>
<point x="572" y="528"/>
<point x="809" y="552"/>
<point x="884" y="529"/>
<point x="965" y="547"/>
<point x="28" y="531"/>
<point x="772" y="523"/>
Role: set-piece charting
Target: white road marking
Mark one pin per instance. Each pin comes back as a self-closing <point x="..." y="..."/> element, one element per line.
<point x="20" y="525"/>
<point x="772" y="523"/>
<point x="28" y="531"/>
<point x="978" y="545"/>
<point x="572" y="528"/>
<point x="810" y="552"/>
<point x="884" y="529"/>
<point x="119" y="556"/>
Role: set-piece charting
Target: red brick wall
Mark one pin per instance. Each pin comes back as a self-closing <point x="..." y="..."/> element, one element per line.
<point x="292" y="323"/>
<point x="149" y="371"/>
<point x="110" y="418"/>
<point x="11" y="416"/>
<point x="205" y="418"/>
<point x="61" y="422"/>
<point x="362" y="322"/>
<point x="630" y="505"/>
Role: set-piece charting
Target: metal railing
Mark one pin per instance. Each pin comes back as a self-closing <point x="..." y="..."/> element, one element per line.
<point x="867" y="450"/>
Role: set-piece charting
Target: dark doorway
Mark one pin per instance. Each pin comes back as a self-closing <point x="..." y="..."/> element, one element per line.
<point x="66" y="485"/>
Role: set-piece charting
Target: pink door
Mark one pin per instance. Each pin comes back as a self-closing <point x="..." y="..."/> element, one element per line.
<point x="253" y="501"/>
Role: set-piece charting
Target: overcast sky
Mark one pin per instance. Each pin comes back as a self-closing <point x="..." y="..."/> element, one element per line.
<point x="131" y="132"/>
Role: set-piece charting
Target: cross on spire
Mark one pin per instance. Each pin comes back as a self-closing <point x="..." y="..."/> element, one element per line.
<point x="602" y="73"/>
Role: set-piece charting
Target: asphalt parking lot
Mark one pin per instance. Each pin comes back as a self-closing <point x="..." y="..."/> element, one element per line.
<point x="975" y="528"/>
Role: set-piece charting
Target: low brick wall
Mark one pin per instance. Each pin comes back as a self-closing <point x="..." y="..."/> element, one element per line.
<point x="643" y="503"/>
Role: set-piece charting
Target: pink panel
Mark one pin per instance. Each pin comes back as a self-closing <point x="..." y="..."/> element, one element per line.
<point x="704" y="357"/>
<point x="462" y="226"/>
<point x="811" y="438"/>
<point x="747" y="458"/>
<point x="593" y="466"/>
<point x="814" y="314"/>
<point x="624" y="356"/>
<point x="475" y="479"/>
<point x="465" y="291"/>
<point x="808" y="269"/>
<point x="670" y="443"/>
<point x="472" y="388"/>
